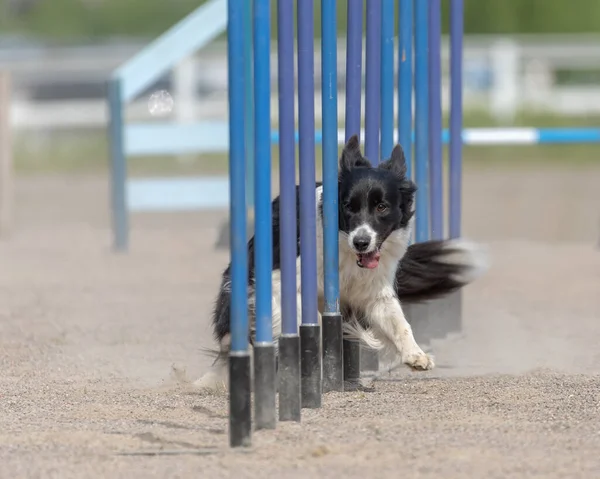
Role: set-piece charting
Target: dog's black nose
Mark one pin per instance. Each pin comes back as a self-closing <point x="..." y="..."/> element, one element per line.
<point x="361" y="243"/>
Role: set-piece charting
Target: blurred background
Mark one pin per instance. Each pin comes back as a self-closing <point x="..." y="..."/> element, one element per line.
<point x="532" y="63"/>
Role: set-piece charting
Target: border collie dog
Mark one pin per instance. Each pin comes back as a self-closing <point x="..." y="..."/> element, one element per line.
<point x="378" y="270"/>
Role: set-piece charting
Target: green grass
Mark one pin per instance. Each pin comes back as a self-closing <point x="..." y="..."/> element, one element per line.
<point x="74" y="20"/>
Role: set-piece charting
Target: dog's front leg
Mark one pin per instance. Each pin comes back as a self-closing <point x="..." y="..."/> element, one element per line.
<point x="388" y="321"/>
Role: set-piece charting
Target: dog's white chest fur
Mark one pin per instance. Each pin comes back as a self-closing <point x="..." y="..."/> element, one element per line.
<point x="358" y="286"/>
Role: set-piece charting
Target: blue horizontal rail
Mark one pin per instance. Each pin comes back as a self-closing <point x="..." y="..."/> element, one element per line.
<point x="152" y="139"/>
<point x="569" y="135"/>
<point x="177" y="194"/>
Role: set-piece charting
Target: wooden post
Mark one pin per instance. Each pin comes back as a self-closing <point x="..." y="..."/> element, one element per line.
<point x="6" y="159"/>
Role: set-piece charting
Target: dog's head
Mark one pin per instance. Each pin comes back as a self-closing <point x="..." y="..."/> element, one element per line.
<point x="374" y="202"/>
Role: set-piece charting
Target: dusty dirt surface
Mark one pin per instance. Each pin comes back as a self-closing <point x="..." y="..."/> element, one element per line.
<point x="97" y="351"/>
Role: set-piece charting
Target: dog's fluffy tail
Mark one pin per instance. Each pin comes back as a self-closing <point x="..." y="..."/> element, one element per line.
<point x="433" y="269"/>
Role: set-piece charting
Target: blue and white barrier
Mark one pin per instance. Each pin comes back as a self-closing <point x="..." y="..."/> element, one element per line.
<point x="153" y="139"/>
<point x="187" y="194"/>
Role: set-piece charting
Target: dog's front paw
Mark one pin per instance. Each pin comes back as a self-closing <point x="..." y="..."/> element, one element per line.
<point x="418" y="361"/>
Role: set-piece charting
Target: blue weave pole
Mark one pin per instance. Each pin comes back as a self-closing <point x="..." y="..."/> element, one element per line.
<point x="373" y="81"/>
<point x="330" y="154"/>
<point x="287" y="164"/>
<point x="353" y="68"/>
<point x="351" y="349"/>
<point x="333" y="379"/>
<point x="405" y="81"/>
<point x="240" y="414"/>
<point x="237" y="180"/>
<point x="456" y="116"/>
<point x="310" y="331"/>
<point x="264" y="351"/>
<point x="249" y="103"/>
<point x="289" y="341"/>
<point x="421" y="121"/>
<point x="306" y="145"/>
<point x="436" y="201"/>
<point x="387" y="78"/>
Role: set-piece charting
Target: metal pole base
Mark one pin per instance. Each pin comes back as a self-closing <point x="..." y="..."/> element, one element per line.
<point x="333" y="353"/>
<point x="265" y="409"/>
<point x="289" y="378"/>
<point x="351" y="365"/>
<point x="240" y="410"/>
<point x="310" y="365"/>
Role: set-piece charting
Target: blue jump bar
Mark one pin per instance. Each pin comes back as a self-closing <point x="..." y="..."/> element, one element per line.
<point x="497" y="136"/>
<point x="568" y="135"/>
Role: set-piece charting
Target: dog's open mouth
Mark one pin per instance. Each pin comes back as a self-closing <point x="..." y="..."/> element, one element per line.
<point x="368" y="260"/>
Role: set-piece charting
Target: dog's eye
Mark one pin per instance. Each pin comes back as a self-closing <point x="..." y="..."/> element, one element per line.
<point x="381" y="207"/>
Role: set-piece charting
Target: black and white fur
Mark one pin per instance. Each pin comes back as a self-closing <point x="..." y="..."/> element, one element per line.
<point x="378" y="270"/>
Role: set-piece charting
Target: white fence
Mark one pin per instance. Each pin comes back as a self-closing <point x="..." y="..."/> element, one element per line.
<point x="502" y="75"/>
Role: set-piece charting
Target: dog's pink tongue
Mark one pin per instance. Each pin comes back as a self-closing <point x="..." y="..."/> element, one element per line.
<point x="370" y="260"/>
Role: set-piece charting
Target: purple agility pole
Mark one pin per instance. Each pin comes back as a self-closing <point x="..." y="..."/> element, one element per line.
<point x="405" y="80"/>
<point x="310" y="331"/>
<point x="421" y="121"/>
<point x="435" y="122"/>
<point x="353" y="68"/>
<point x="387" y="78"/>
<point x="373" y="81"/>
<point x="351" y="349"/>
<point x="456" y="114"/>
<point x="289" y="341"/>
<point x="264" y="349"/>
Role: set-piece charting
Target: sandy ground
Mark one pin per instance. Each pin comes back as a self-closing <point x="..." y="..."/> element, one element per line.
<point x="97" y="350"/>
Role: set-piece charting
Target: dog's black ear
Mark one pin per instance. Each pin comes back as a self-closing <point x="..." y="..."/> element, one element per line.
<point x="397" y="162"/>
<point x="351" y="155"/>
